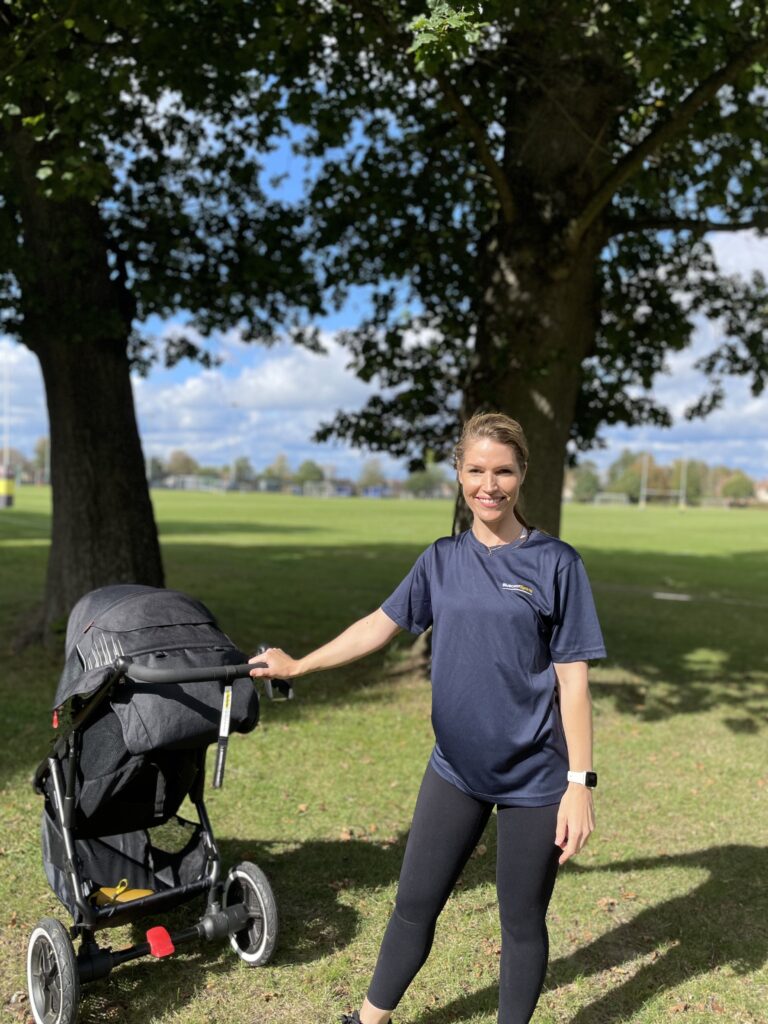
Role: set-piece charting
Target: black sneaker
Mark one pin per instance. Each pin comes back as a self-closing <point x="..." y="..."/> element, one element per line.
<point x="350" y="1018"/>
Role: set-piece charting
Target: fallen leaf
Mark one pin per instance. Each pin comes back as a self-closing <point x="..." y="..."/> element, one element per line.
<point x="345" y="835"/>
<point x="679" y="1008"/>
<point x="303" y="808"/>
<point x="607" y="903"/>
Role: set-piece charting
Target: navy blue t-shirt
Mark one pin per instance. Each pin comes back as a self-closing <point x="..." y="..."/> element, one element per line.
<point x="499" y="623"/>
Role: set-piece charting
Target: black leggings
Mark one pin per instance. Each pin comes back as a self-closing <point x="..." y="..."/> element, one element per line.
<point x="447" y="825"/>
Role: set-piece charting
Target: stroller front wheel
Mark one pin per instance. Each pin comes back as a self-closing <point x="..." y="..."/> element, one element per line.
<point x="52" y="977"/>
<point x="246" y="883"/>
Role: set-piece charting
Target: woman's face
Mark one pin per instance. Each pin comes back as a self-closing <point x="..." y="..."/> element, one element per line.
<point x="491" y="477"/>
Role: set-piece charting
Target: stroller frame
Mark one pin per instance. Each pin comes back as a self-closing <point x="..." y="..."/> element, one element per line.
<point x="241" y="907"/>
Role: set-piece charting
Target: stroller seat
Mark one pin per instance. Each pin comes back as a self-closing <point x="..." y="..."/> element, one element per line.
<point x="149" y="683"/>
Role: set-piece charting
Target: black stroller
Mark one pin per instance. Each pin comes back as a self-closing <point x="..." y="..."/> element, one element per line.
<point x="149" y="682"/>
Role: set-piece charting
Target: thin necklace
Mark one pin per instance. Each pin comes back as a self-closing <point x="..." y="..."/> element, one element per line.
<point x="504" y="543"/>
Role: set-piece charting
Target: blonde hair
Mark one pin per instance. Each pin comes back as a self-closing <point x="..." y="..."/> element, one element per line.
<point x="496" y="427"/>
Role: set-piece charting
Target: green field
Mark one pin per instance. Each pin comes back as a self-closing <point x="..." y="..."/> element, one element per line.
<point x="664" y="916"/>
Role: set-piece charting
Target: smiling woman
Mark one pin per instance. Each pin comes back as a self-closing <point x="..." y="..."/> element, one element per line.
<point x="511" y="636"/>
<point x="491" y="460"/>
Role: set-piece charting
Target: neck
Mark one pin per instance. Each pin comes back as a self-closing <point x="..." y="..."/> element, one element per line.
<point x="505" y="534"/>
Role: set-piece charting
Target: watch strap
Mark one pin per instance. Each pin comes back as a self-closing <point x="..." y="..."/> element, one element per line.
<point x="588" y="779"/>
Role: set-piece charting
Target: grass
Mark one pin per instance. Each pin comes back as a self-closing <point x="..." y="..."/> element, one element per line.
<point x="664" y="917"/>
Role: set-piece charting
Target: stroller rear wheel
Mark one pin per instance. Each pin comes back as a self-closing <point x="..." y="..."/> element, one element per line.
<point x="246" y="883"/>
<point x="52" y="977"/>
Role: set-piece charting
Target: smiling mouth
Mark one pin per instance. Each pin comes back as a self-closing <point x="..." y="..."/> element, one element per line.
<point x="489" y="502"/>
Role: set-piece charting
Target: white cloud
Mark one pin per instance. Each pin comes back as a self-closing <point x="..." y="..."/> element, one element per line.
<point x="740" y="252"/>
<point x="260" y="402"/>
<point x="27" y="416"/>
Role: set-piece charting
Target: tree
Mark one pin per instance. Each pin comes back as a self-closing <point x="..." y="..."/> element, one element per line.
<point x="279" y="470"/>
<point x="131" y="186"/>
<point x="181" y="463"/>
<point x="586" y="482"/>
<point x="529" y="189"/>
<point x="42" y="459"/>
<point x="156" y="469"/>
<point x="695" y="475"/>
<point x="739" y="486"/>
<point x="309" y="472"/>
<point x="371" y="475"/>
<point x="18" y="462"/>
<point x="425" y="483"/>
<point x="242" y="471"/>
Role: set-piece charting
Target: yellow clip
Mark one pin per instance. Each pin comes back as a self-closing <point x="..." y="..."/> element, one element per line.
<point x="121" y="893"/>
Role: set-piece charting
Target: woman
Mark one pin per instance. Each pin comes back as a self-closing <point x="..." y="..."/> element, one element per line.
<point x="513" y="626"/>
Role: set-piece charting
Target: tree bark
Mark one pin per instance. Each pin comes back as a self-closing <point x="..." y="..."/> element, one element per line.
<point x="536" y="325"/>
<point x="538" y="302"/>
<point x="77" y="316"/>
<point x="103" y="525"/>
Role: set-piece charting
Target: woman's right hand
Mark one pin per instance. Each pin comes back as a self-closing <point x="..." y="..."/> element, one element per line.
<point x="277" y="664"/>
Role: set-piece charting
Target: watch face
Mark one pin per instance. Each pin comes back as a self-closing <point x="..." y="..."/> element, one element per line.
<point x="591" y="779"/>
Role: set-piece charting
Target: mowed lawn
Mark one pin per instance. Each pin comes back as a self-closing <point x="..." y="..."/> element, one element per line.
<point x="664" y="916"/>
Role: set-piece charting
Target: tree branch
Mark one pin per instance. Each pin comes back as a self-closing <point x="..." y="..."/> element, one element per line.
<point x="696" y="225"/>
<point x="471" y="127"/>
<point x="672" y="126"/>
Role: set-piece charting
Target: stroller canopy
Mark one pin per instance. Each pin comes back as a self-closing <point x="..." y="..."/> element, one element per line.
<point x="140" y="749"/>
<point x="130" y="620"/>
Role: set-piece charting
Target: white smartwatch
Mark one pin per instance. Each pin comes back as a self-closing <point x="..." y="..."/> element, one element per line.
<point x="588" y="779"/>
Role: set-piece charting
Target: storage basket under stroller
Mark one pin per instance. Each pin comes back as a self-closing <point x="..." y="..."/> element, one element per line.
<point x="149" y="682"/>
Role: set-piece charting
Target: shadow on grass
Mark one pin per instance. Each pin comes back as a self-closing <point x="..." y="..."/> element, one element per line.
<point x="309" y="882"/>
<point x="18" y="525"/>
<point x="718" y="924"/>
<point x="721" y="923"/>
<point x="682" y="658"/>
<point x="168" y="528"/>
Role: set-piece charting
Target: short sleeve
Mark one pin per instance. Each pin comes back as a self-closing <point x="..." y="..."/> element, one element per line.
<point x="576" y="634"/>
<point x="410" y="605"/>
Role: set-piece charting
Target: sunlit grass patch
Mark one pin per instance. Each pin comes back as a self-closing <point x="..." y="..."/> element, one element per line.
<point x="663" y="918"/>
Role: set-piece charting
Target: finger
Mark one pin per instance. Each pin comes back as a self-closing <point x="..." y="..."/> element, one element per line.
<point x="571" y="848"/>
<point x="561" y="833"/>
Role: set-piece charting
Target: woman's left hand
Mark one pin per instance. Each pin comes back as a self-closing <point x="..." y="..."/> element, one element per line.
<point x="575" y="820"/>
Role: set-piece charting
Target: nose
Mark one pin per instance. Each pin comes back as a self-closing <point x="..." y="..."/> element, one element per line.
<point x="489" y="481"/>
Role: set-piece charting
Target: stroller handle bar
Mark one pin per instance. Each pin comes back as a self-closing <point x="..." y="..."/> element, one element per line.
<point x="213" y="673"/>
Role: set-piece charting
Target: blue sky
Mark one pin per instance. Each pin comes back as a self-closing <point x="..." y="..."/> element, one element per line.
<point x="262" y="402"/>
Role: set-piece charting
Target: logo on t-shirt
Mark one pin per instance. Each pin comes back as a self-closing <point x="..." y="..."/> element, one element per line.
<point x="517" y="586"/>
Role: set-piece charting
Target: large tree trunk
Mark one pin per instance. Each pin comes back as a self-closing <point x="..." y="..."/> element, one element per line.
<point x="77" y="318"/>
<point x="103" y="527"/>
<point x="538" y="299"/>
<point x="535" y="329"/>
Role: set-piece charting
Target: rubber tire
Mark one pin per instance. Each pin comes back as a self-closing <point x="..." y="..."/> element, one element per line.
<point x="247" y="883"/>
<point x="55" y="999"/>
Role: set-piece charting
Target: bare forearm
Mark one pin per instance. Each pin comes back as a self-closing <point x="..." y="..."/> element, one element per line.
<point x="576" y="712"/>
<point x="363" y="637"/>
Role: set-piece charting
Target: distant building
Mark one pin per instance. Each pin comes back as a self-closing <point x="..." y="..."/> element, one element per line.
<point x="329" y="488"/>
<point x="761" y="492"/>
